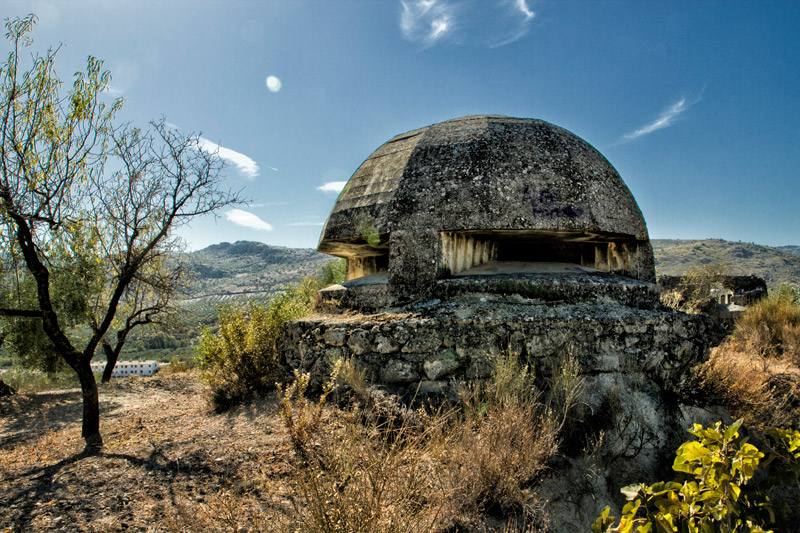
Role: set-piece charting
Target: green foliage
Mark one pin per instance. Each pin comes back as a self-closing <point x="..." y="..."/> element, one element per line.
<point x="87" y="244"/>
<point x="32" y="381"/>
<point x="364" y="224"/>
<point x="242" y="358"/>
<point x="176" y="366"/>
<point x="714" y="491"/>
<point x="75" y="274"/>
<point x="333" y="272"/>
<point x="771" y="327"/>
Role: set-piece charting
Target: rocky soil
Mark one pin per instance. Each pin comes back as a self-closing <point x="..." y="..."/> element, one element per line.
<point x="167" y="465"/>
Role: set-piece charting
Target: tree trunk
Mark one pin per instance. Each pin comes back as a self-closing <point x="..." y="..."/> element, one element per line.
<point x="91" y="407"/>
<point x="6" y="390"/>
<point x="111" y="358"/>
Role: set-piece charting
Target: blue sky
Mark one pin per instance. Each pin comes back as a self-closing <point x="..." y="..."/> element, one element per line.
<point x="695" y="103"/>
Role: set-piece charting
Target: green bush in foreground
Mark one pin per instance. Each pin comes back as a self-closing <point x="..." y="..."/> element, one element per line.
<point x="711" y="492"/>
<point x="241" y="359"/>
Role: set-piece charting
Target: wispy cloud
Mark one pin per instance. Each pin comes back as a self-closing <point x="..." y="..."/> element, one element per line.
<point x="247" y="219"/>
<point x="492" y="24"/>
<point x="426" y="21"/>
<point x="332" y="186"/>
<point x="519" y="17"/>
<point x="246" y="166"/>
<point x="522" y="7"/>
<point x="306" y="224"/>
<point x="268" y="204"/>
<point x="664" y="120"/>
<point x="113" y="90"/>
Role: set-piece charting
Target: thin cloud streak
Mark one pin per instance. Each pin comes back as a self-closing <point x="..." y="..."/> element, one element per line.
<point x="664" y="120"/>
<point x="113" y="90"/>
<point x="332" y="186"/>
<point x="523" y="8"/>
<point x="426" y="21"/>
<point x="267" y="204"/>
<point x="244" y="218"/>
<point x="520" y="7"/>
<point x="494" y="24"/>
<point x="246" y="166"/>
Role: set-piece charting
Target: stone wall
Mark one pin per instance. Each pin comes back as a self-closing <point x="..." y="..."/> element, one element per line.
<point x="638" y="394"/>
<point x="459" y="341"/>
<point x="637" y="399"/>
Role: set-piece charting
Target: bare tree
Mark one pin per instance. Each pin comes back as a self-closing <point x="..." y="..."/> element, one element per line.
<point x="78" y="192"/>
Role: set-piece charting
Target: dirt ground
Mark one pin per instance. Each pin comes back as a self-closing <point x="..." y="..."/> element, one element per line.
<point x="167" y="462"/>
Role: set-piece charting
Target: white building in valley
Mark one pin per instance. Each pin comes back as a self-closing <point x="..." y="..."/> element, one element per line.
<point x="129" y="368"/>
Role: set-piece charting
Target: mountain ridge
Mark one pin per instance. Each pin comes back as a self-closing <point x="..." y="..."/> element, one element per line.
<point x="776" y="265"/>
<point x="227" y="270"/>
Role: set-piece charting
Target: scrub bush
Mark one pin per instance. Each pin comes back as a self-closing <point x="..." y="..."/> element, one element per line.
<point x="242" y="358"/>
<point x="715" y="490"/>
<point x="771" y="327"/>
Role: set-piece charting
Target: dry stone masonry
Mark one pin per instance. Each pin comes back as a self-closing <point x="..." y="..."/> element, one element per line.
<point x="486" y="234"/>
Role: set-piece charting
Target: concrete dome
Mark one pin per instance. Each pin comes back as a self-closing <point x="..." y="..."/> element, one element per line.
<point x="491" y="187"/>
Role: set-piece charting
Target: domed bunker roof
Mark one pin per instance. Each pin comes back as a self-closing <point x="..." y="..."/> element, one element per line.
<point x="438" y="201"/>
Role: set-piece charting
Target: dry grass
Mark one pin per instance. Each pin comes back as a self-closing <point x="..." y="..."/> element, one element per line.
<point x="166" y="459"/>
<point x="770" y="327"/>
<point x="170" y="464"/>
<point x="763" y="391"/>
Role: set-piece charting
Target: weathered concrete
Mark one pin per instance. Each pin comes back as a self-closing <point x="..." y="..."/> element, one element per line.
<point x="459" y="338"/>
<point x="433" y="202"/>
<point x="488" y="235"/>
<point x="638" y="397"/>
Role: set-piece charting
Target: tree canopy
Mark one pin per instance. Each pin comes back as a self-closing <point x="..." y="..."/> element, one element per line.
<point x="88" y="209"/>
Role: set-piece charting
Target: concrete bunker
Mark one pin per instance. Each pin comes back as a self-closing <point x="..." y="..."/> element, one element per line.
<point x="485" y="195"/>
<point x="484" y="236"/>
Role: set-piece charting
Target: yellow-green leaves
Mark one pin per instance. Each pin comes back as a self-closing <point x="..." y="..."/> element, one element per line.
<point x="711" y="493"/>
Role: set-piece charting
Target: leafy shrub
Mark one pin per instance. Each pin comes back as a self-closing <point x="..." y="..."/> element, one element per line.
<point x="176" y="366"/>
<point x="771" y="326"/>
<point x="30" y="381"/>
<point x="332" y="272"/>
<point x="242" y="358"/>
<point x="714" y="491"/>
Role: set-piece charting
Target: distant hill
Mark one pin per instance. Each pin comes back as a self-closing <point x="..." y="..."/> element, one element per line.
<point x="776" y="265"/>
<point x="792" y="249"/>
<point x="247" y="269"/>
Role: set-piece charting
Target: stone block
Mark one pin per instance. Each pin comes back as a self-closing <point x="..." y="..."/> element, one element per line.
<point x="360" y="341"/>
<point x="479" y="369"/>
<point x="442" y="364"/>
<point x="334" y="336"/>
<point x="423" y="341"/>
<point x="399" y="371"/>
<point x="385" y="344"/>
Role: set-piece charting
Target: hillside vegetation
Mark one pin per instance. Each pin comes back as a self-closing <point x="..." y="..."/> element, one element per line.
<point x="225" y="273"/>
<point x="247" y="269"/>
<point x="776" y="265"/>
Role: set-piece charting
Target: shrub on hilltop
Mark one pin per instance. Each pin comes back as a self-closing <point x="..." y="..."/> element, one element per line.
<point x="241" y="358"/>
